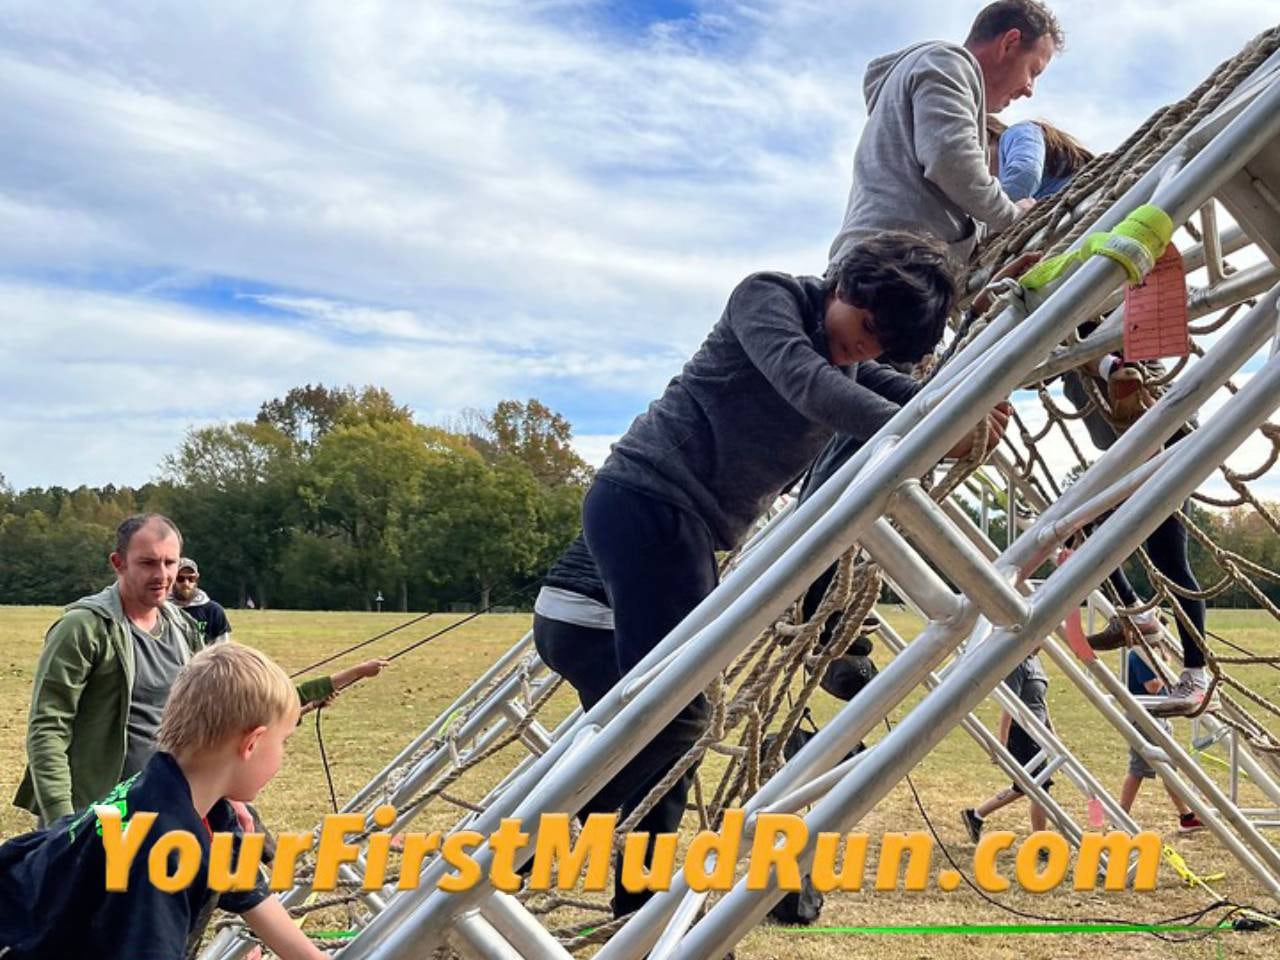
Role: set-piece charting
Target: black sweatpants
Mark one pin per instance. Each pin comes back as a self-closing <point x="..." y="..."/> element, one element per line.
<point x="657" y="563"/>
<point x="587" y="659"/>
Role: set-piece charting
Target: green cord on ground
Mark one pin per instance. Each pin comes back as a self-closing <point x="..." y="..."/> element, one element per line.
<point x="1005" y="929"/>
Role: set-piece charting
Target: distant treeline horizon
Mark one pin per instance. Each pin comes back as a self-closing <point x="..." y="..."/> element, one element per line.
<point x="329" y="498"/>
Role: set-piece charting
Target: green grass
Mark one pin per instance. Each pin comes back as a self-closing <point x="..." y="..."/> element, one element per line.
<point x="370" y="723"/>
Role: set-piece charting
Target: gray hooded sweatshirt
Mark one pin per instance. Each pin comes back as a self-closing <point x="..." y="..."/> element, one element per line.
<point x="921" y="163"/>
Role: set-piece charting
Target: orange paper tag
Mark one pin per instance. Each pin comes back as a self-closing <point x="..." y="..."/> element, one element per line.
<point x="1155" y="313"/>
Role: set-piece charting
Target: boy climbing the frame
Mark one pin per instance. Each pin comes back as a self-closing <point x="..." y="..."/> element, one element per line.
<point x="221" y="738"/>
<point x="790" y="363"/>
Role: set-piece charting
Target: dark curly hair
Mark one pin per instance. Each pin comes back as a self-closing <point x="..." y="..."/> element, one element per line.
<point x="908" y="283"/>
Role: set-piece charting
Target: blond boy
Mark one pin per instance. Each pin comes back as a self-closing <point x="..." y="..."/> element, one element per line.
<point x="221" y="738"/>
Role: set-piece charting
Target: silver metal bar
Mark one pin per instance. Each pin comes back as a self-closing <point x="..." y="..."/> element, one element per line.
<point x="1011" y="511"/>
<point x="917" y="733"/>
<point x="521" y="929"/>
<point x="900" y="563"/>
<point x="1234" y="741"/>
<point x="928" y="526"/>
<point x="1231" y="240"/>
<point x="476" y="939"/>
<point x="813" y="790"/>
<point x="984" y="508"/>
<point x="1105" y="500"/>
<point x="1252" y="766"/>
<point x="1212" y="242"/>
<point x="1266" y="193"/>
<point x="533" y="736"/>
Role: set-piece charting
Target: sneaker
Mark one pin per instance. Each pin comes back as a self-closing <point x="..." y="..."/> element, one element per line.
<point x="1127" y="392"/>
<point x="1191" y="685"/>
<point x="1042" y="860"/>
<point x="972" y="823"/>
<point x="1189" y="823"/>
<point x="1121" y="632"/>
<point x="1185" y="697"/>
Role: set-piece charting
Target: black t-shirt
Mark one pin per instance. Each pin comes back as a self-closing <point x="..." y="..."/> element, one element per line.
<point x="53" y="898"/>
<point x="211" y="619"/>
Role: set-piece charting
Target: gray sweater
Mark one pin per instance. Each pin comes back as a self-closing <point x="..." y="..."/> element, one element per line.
<point x="921" y="163"/>
<point x="752" y="408"/>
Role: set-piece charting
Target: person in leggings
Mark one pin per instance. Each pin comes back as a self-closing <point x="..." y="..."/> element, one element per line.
<point x="1036" y="159"/>
<point x="1167" y="547"/>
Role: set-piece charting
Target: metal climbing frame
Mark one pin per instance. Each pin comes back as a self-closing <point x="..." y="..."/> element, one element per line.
<point x="1127" y="714"/>
<point x="1216" y="159"/>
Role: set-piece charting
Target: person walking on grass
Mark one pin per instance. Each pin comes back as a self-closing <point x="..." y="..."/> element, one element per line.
<point x="1030" y="684"/>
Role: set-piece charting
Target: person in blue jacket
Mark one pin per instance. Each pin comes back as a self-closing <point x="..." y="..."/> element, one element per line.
<point x="1034" y="159"/>
<point x="221" y="739"/>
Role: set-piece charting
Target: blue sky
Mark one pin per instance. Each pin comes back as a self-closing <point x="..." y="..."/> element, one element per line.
<point x="202" y="205"/>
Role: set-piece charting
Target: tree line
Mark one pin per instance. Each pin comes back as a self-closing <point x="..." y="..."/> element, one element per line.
<point x="333" y="496"/>
<point x="327" y="499"/>
<point x="1239" y="530"/>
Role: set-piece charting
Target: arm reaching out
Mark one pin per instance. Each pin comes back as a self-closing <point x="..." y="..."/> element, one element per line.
<point x="323" y="694"/>
<point x="370" y="668"/>
<point x="273" y="925"/>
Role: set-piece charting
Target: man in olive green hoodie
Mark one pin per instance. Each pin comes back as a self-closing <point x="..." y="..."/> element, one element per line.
<point x="104" y="674"/>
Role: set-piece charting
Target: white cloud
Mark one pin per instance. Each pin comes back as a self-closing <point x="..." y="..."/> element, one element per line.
<point x="594" y="448"/>
<point x="460" y="200"/>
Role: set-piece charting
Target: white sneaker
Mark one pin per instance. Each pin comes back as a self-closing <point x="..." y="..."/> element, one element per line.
<point x="1184" y="698"/>
<point x="1192" y="684"/>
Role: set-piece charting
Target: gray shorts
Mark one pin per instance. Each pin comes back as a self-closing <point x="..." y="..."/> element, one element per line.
<point x="1138" y="766"/>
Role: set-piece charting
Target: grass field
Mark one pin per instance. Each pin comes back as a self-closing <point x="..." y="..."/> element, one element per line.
<point x="370" y="723"/>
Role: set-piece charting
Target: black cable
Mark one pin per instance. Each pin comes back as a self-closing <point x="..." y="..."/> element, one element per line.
<point x="328" y="774"/>
<point x="357" y="646"/>
<point x="1266" y="662"/>
<point x="324" y="760"/>
<point x="514" y="594"/>
<point x="465" y="620"/>
<point x="1190" y="919"/>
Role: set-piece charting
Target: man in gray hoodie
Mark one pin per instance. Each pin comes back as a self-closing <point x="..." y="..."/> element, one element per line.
<point x="921" y="163"/>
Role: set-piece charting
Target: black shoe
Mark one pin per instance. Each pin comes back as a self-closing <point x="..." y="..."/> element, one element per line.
<point x="972" y="823"/>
